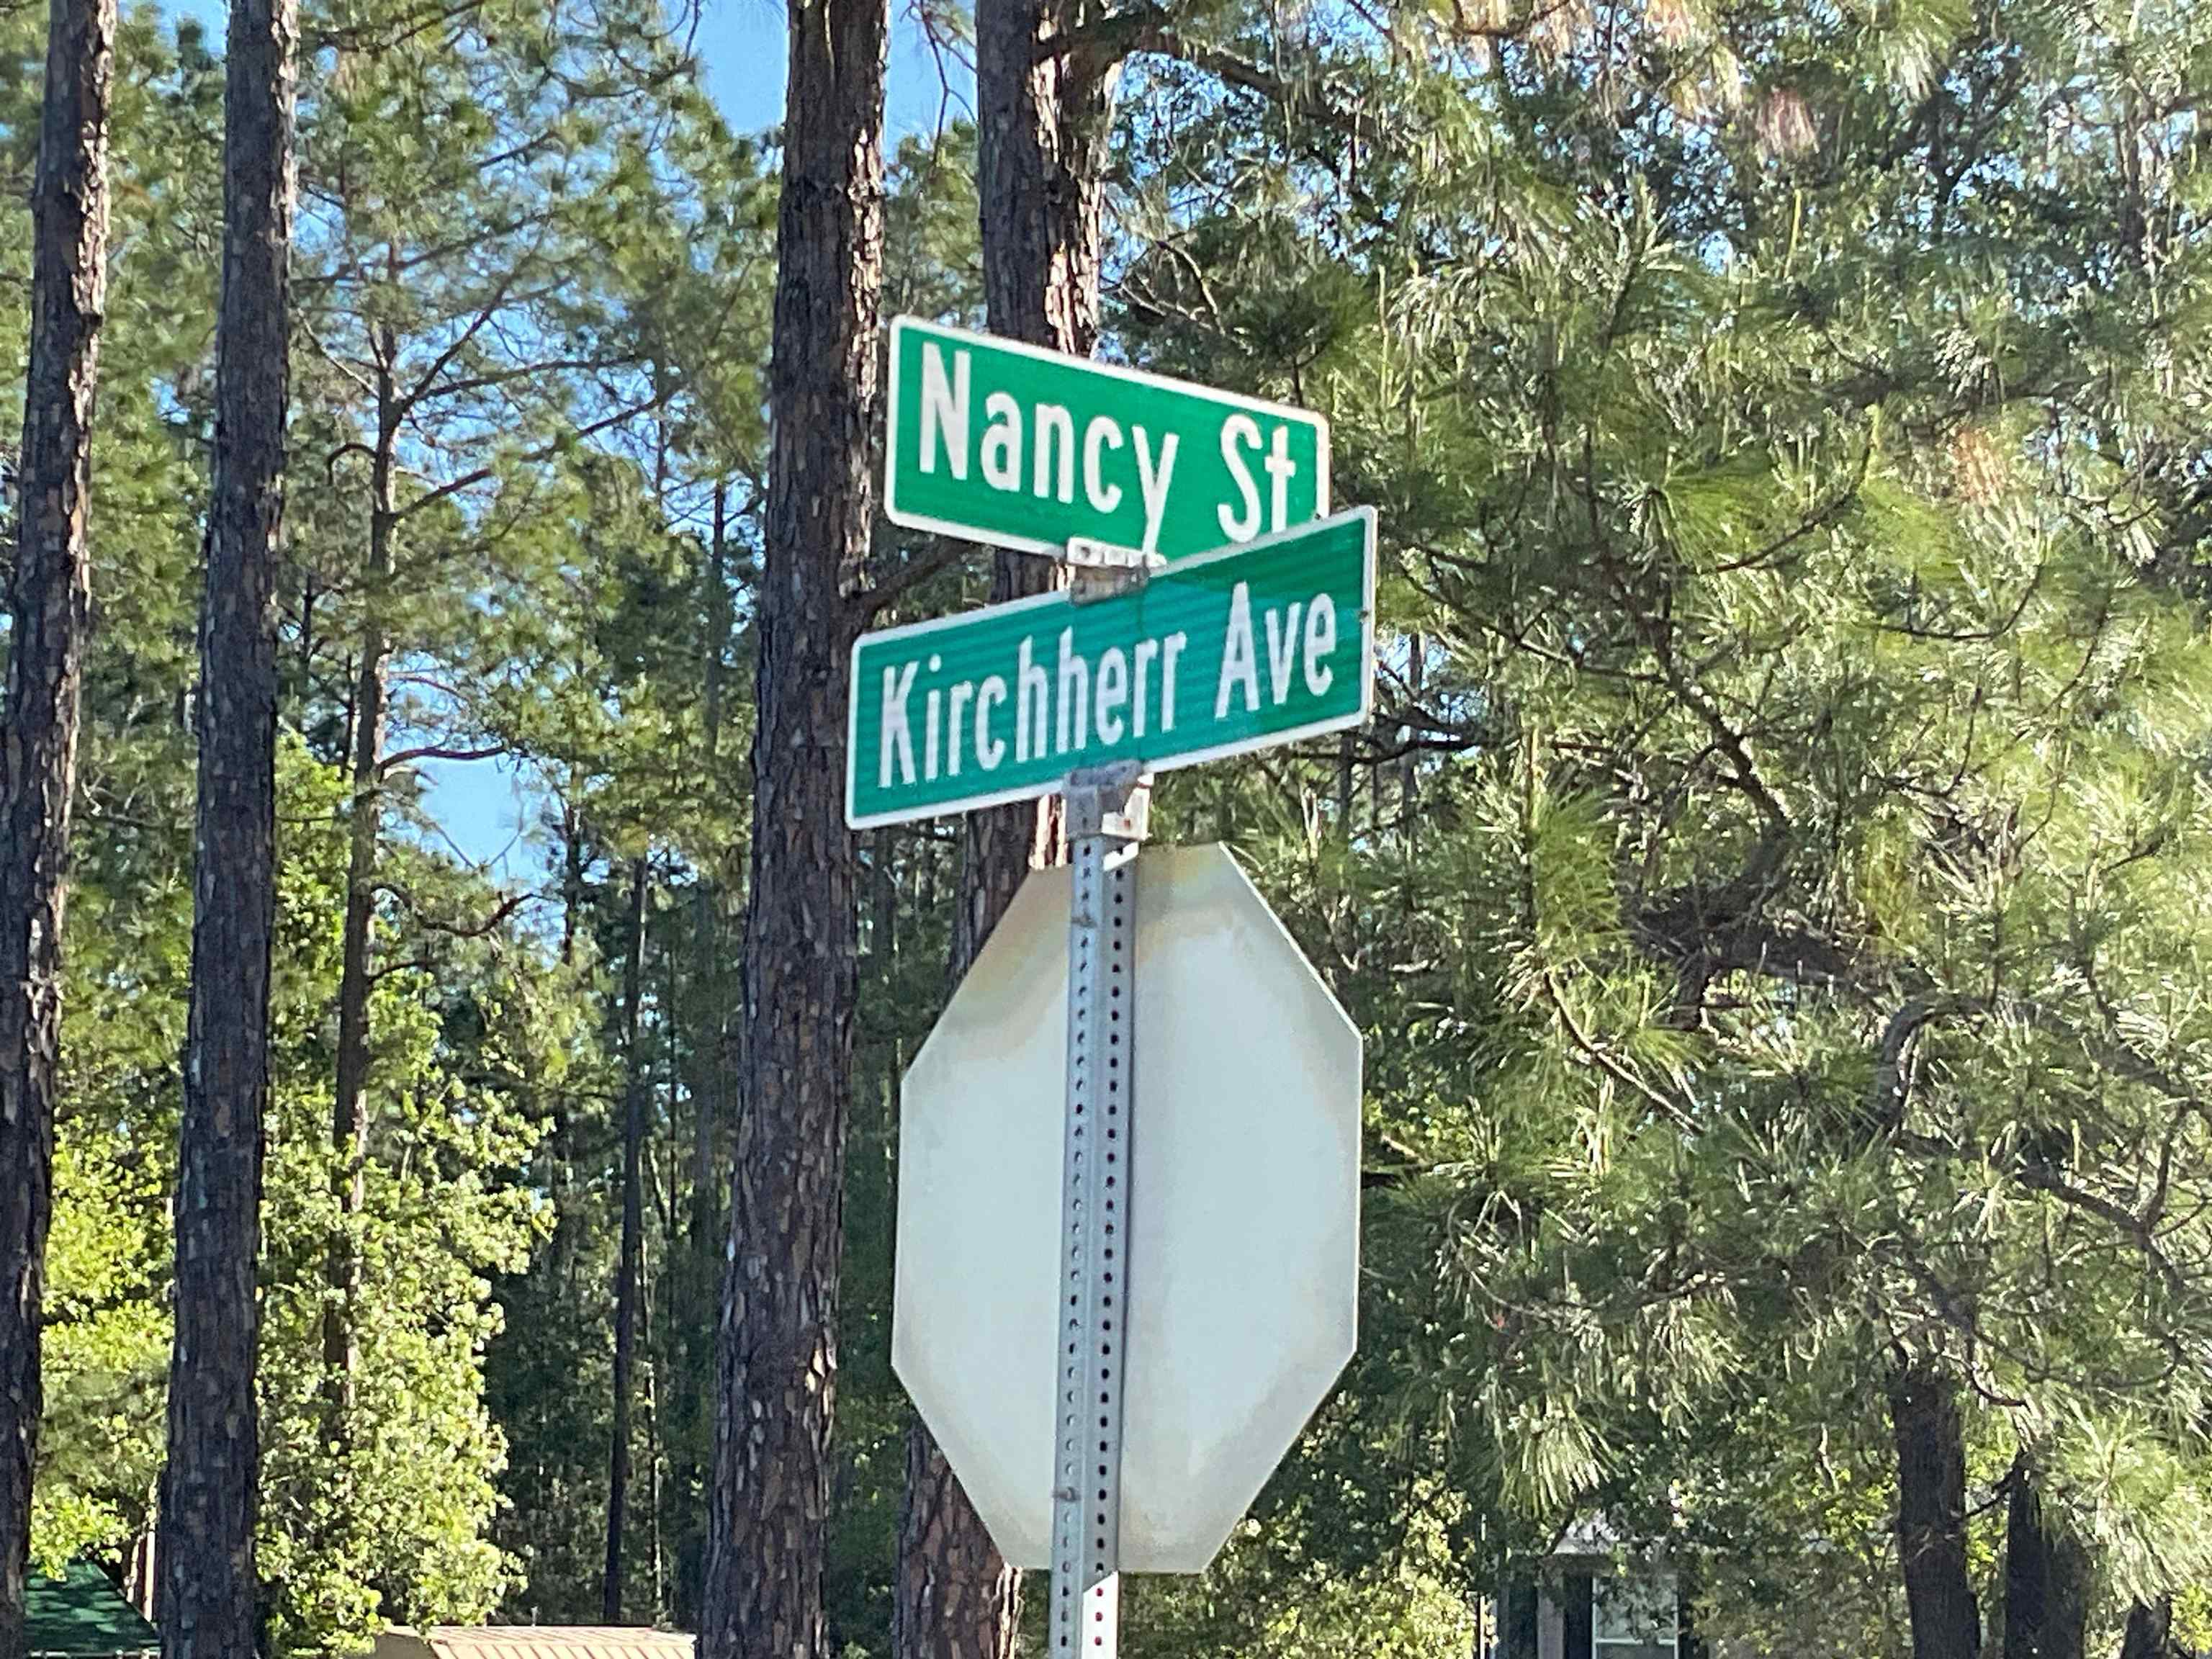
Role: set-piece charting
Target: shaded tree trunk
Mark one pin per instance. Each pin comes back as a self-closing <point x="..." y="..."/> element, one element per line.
<point x="2046" y="1608"/>
<point x="706" y="1069"/>
<point x="1042" y="119"/>
<point x="2149" y="1633"/>
<point x="956" y="1596"/>
<point x="572" y="868"/>
<point x="776" y="1359"/>
<point x="349" y="1096"/>
<point x="1409" y="776"/>
<point x="692" y="1289"/>
<point x="653" y="1442"/>
<point x="1931" y="1515"/>
<point x="210" y="1482"/>
<point x="633" y="1239"/>
<point x="883" y="892"/>
<point x="50" y="603"/>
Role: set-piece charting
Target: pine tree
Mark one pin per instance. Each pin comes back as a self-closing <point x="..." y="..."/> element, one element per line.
<point x="776" y="1362"/>
<point x="50" y="590"/>
<point x="209" y="1601"/>
<point x="1739" y="514"/>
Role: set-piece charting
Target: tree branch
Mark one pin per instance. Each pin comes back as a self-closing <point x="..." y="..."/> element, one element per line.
<point x="872" y="602"/>
<point x="399" y="757"/>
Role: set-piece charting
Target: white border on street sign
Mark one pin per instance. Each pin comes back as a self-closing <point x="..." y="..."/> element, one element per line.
<point x="1089" y="365"/>
<point x="1047" y="787"/>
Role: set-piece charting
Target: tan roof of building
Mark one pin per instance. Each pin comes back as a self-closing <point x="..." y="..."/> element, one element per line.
<point x="532" y="1642"/>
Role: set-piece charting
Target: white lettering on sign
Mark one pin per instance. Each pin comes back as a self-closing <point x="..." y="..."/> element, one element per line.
<point x="958" y="700"/>
<point x="1143" y="653"/>
<point x="897" y="737"/>
<point x="1055" y="436"/>
<point x="1075" y="695"/>
<point x="1057" y="708"/>
<point x="1321" y="643"/>
<point x="1238" y="434"/>
<point x="1282" y="652"/>
<point x="1104" y="432"/>
<point x="1281" y="469"/>
<point x="1059" y="704"/>
<point x="945" y="411"/>
<point x="1002" y="442"/>
<point x="1153" y="481"/>
<point x="1113" y="692"/>
<point x="989" y="751"/>
<point x="1035" y="691"/>
<point x="1238" y="662"/>
<point x="1037" y="451"/>
<point x="1240" y="658"/>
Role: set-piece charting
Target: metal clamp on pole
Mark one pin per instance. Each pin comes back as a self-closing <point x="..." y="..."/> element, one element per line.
<point x="1101" y="570"/>
<point x="1107" y="818"/>
<point x="1114" y="801"/>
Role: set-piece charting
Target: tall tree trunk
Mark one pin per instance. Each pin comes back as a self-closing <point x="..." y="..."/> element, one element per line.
<point x="50" y="603"/>
<point x="706" y="1069"/>
<point x="349" y="1096"/>
<point x="572" y="867"/>
<point x="633" y="1239"/>
<point x="692" y="1289"/>
<point x="1044" y="116"/>
<point x="2046" y="1606"/>
<point x="1931" y="1515"/>
<point x="652" y="1426"/>
<point x="776" y="1361"/>
<point x="1409" y="775"/>
<point x="210" y="1482"/>
<point x="2150" y="1634"/>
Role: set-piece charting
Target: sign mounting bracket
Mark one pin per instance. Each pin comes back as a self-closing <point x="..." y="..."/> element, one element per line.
<point x="1102" y="571"/>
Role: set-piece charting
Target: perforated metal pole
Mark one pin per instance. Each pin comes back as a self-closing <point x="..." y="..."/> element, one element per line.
<point x="1106" y="822"/>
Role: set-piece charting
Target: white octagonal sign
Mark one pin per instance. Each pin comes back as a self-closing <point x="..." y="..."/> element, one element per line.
<point x="1242" y="1259"/>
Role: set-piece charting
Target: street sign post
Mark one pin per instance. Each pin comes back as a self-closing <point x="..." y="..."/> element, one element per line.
<point x="993" y="440"/>
<point x="1231" y="651"/>
<point x="1125" y="1410"/>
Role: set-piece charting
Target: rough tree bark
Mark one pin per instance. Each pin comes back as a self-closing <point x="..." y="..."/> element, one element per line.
<point x="776" y="1350"/>
<point x="633" y="1243"/>
<point x="1043" y="115"/>
<point x="1931" y="1515"/>
<point x="349" y="1095"/>
<point x="2046" y="1606"/>
<point x="50" y="604"/>
<point x="210" y="1482"/>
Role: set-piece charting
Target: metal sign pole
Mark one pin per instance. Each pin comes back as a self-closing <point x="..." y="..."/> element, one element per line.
<point x="1106" y="823"/>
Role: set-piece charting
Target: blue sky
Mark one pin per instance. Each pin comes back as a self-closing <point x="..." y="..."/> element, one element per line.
<point x="741" y="45"/>
<point x="485" y="809"/>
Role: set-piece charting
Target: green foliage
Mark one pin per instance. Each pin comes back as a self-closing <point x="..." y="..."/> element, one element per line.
<point x="516" y="526"/>
<point x="1771" y="888"/>
<point x="395" y="1528"/>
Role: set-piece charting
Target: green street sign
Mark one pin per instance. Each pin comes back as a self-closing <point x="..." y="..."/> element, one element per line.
<point x="1235" y="650"/>
<point x="992" y="440"/>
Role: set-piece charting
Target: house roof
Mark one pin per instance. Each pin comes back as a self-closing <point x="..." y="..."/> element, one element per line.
<point x="532" y="1642"/>
<point x="80" y="1615"/>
